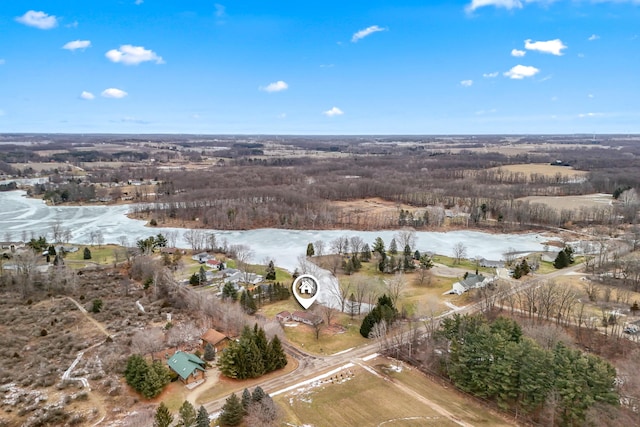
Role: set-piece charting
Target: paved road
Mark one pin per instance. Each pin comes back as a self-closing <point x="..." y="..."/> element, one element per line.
<point x="311" y="366"/>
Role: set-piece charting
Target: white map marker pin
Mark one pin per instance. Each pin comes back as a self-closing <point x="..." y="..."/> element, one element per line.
<point x="305" y="289"/>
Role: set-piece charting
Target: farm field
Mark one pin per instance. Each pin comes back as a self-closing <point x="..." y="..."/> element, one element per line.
<point x="365" y="396"/>
<point x="543" y="169"/>
<point x="572" y="202"/>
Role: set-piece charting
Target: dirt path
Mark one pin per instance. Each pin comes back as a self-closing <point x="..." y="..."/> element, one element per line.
<point x="212" y="377"/>
<point x="83" y="310"/>
<point x="433" y="405"/>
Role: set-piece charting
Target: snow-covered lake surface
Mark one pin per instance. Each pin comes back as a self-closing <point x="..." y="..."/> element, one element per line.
<point x="24" y="217"/>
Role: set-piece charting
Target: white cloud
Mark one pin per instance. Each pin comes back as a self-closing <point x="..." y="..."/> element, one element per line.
<point x="275" y="86"/>
<point x="335" y="111"/>
<point x="77" y="44"/>
<point x="483" y="112"/>
<point x="491" y="75"/>
<point x="518" y="53"/>
<point x="590" y="95"/>
<point x="506" y="4"/>
<point x="39" y="20"/>
<point x="593" y="37"/>
<point x="138" y="2"/>
<point x="112" y="92"/>
<point x="133" y="55"/>
<point x="584" y="115"/>
<point x="88" y="95"/>
<point x="553" y="47"/>
<point x="519" y="72"/>
<point x="366" y="32"/>
<point x="74" y="24"/>
<point x="282" y="115"/>
<point x="466" y="83"/>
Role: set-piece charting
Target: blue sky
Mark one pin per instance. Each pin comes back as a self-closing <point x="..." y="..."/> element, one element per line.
<point x="330" y="67"/>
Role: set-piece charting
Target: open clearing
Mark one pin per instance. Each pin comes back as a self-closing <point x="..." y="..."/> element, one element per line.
<point x="543" y="169"/>
<point x="572" y="202"/>
<point x="363" y="396"/>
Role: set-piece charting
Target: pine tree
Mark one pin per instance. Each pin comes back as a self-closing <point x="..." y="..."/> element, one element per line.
<point x="246" y="399"/>
<point x="229" y="291"/>
<point x="202" y="420"/>
<point x="258" y="394"/>
<point x="209" y="352"/>
<point x="310" y="250"/>
<point x="194" y="280"/>
<point x="187" y="415"/>
<point x="136" y="371"/>
<point x="561" y="260"/>
<point x="202" y="276"/>
<point x="393" y="247"/>
<point x="163" y="417"/>
<point x="232" y="412"/>
<point x="278" y="356"/>
<point x="365" y="254"/>
<point x="87" y="253"/>
<point x="52" y="250"/>
<point x="378" y="246"/>
<point x="271" y="271"/>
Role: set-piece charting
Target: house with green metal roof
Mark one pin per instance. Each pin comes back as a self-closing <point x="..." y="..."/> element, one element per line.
<point x="189" y="367"/>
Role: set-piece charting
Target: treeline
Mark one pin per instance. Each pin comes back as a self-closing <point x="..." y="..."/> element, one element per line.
<point x="494" y="361"/>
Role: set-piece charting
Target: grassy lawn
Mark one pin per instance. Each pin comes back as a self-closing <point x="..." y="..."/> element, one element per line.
<point x="343" y="334"/>
<point x="464" y="264"/>
<point x="363" y="399"/>
<point x="102" y="255"/>
<point x="226" y="386"/>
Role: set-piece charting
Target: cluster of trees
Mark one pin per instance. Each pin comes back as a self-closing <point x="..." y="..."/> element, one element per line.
<point x="252" y="355"/>
<point x="494" y="361"/>
<point x="151" y="243"/>
<point x="187" y="416"/>
<point x="68" y="192"/>
<point x="250" y="300"/>
<point x="521" y="269"/>
<point x="376" y="321"/>
<point x="564" y="258"/>
<point x="146" y="378"/>
<point x="255" y="408"/>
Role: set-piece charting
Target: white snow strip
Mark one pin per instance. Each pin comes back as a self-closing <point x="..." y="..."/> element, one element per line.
<point x="312" y="380"/>
<point x="371" y="356"/>
<point x="343" y="351"/>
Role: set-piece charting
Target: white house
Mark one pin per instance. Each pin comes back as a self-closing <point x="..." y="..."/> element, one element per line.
<point x="472" y="281"/>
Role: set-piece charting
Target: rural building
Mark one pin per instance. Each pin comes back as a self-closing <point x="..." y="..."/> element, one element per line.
<point x="472" y="281"/>
<point x="202" y="257"/>
<point x="283" y="316"/>
<point x="217" y="339"/>
<point x="490" y="264"/>
<point x="306" y="318"/>
<point x="214" y="263"/>
<point x="189" y="367"/>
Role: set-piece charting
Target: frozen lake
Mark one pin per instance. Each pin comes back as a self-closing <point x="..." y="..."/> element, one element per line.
<point x="23" y="217"/>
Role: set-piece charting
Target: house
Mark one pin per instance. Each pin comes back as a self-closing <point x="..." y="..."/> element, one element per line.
<point x="217" y="339"/>
<point x="214" y="263"/>
<point x="189" y="367"/>
<point x="283" y="316"/>
<point x="490" y="264"/>
<point x="306" y="318"/>
<point x="471" y="281"/>
<point x="202" y="257"/>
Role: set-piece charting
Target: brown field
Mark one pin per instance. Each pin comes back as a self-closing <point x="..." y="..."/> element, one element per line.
<point x="543" y="169"/>
<point x="374" y="206"/>
<point x="39" y="167"/>
<point x="377" y="396"/>
<point x="572" y="202"/>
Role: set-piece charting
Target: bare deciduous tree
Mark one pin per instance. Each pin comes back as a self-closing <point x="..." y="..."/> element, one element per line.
<point x="319" y="247"/>
<point x="459" y="252"/>
<point x="406" y="236"/>
<point x="395" y="286"/>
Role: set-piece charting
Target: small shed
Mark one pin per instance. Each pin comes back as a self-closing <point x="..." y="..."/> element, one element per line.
<point x="216" y="338"/>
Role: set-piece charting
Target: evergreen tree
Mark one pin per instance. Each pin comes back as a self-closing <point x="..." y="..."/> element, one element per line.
<point x="393" y="247"/>
<point x="87" y="253"/>
<point x="384" y="310"/>
<point x="52" y="250"/>
<point x="163" y="417"/>
<point x="209" y="352"/>
<point x="426" y="262"/>
<point x="416" y="255"/>
<point x="378" y="246"/>
<point x="136" y="371"/>
<point x="229" y="291"/>
<point x="246" y="399"/>
<point x="310" y="250"/>
<point x="407" y="251"/>
<point x="278" y="356"/>
<point x="561" y="260"/>
<point x="194" y="280"/>
<point x="187" y="415"/>
<point x="258" y="394"/>
<point x="202" y="420"/>
<point x="232" y="412"/>
<point x="202" y="276"/>
<point x="271" y="271"/>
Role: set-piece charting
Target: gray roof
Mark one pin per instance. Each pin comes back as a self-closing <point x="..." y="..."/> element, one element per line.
<point x="471" y="280"/>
